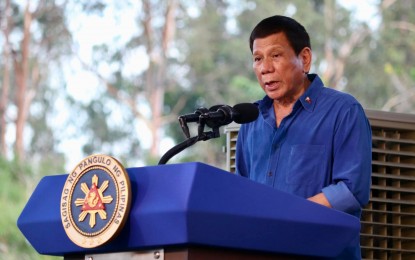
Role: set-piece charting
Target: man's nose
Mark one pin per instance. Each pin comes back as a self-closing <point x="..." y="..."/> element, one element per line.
<point x="267" y="66"/>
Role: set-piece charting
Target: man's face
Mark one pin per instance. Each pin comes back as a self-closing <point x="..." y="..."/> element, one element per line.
<point x="279" y="71"/>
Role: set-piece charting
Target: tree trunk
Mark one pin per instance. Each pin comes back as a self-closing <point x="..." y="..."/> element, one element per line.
<point x="21" y="74"/>
<point x="4" y="99"/>
<point x="156" y="73"/>
<point x="155" y="76"/>
<point x="336" y="62"/>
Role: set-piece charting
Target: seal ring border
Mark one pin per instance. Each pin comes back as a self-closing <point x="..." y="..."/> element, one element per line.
<point x="112" y="230"/>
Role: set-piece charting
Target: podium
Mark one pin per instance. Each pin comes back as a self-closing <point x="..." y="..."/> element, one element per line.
<point x="196" y="211"/>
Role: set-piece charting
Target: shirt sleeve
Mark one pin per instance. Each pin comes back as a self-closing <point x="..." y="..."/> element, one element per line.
<point x="352" y="162"/>
<point x="341" y="198"/>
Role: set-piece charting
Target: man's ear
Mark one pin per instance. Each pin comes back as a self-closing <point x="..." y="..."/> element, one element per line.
<point x="306" y="58"/>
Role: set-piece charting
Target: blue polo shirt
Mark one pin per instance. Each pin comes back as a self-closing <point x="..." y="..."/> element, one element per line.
<point x="324" y="145"/>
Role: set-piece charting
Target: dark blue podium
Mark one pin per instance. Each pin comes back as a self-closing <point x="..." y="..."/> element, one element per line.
<point x="194" y="207"/>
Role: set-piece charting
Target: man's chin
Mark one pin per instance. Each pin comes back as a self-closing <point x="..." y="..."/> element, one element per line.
<point x="273" y="95"/>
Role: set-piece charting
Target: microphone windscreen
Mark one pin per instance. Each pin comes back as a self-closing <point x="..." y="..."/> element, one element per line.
<point x="246" y="112"/>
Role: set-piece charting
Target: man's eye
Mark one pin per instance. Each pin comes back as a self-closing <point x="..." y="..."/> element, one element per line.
<point x="256" y="59"/>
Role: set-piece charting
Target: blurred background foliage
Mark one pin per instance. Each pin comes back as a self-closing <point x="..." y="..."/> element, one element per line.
<point x="105" y="76"/>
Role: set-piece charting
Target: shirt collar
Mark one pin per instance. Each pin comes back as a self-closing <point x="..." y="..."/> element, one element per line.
<point x="266" y="109"/>
<point x="308" y="100"/>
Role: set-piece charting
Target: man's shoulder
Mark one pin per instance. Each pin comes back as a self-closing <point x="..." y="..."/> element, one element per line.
<point x="338" y="96"/>
<point x="329" y="94"/>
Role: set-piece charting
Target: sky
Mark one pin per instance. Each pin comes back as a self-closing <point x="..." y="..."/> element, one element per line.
<point x="364" y="10"/>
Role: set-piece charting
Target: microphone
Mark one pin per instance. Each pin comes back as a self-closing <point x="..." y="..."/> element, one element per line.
<point x="246" y="113"/>
<point x="240" y="113"/>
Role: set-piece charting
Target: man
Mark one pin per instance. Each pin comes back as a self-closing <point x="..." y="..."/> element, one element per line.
<point x="309" y="140"/>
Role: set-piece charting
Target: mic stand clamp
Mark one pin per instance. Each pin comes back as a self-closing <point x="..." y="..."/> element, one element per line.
<point x="183" y="125"/>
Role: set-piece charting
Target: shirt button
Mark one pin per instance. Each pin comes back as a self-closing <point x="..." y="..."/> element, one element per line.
<point x="269" y="174"/>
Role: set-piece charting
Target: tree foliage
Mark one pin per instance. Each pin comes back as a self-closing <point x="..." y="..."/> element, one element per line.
<point x="396" y="54"/>
<point x="177" y="55"/>
<point x="15" y="189"/>
<point x="35" y="37"/>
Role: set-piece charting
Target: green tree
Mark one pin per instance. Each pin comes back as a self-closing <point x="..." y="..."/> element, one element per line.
<point x="396" y="49"/>
<point x="195" y="53"/>
<point x="137" y="100"/>
<point x="27" y="57"/>
<point x="14" y="193"/>
<point x="34" y="37"/>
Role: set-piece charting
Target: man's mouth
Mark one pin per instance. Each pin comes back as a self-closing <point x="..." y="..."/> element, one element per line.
<point x="271" y="85"/>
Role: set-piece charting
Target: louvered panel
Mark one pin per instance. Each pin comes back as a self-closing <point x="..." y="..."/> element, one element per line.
<point x="388" y="221"/>
<point x="231" y="132"/>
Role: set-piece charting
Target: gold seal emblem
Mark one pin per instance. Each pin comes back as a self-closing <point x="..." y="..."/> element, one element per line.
<point x="95" y="201"/>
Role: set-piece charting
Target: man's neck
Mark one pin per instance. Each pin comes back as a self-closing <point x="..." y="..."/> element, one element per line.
<point x="283" y="107"/>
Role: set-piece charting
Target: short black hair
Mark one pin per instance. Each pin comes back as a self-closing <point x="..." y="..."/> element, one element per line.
<point x="296" y="33"/>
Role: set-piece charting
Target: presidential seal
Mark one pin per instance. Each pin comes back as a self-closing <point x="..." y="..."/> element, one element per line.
<point x="95" y="201"/>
